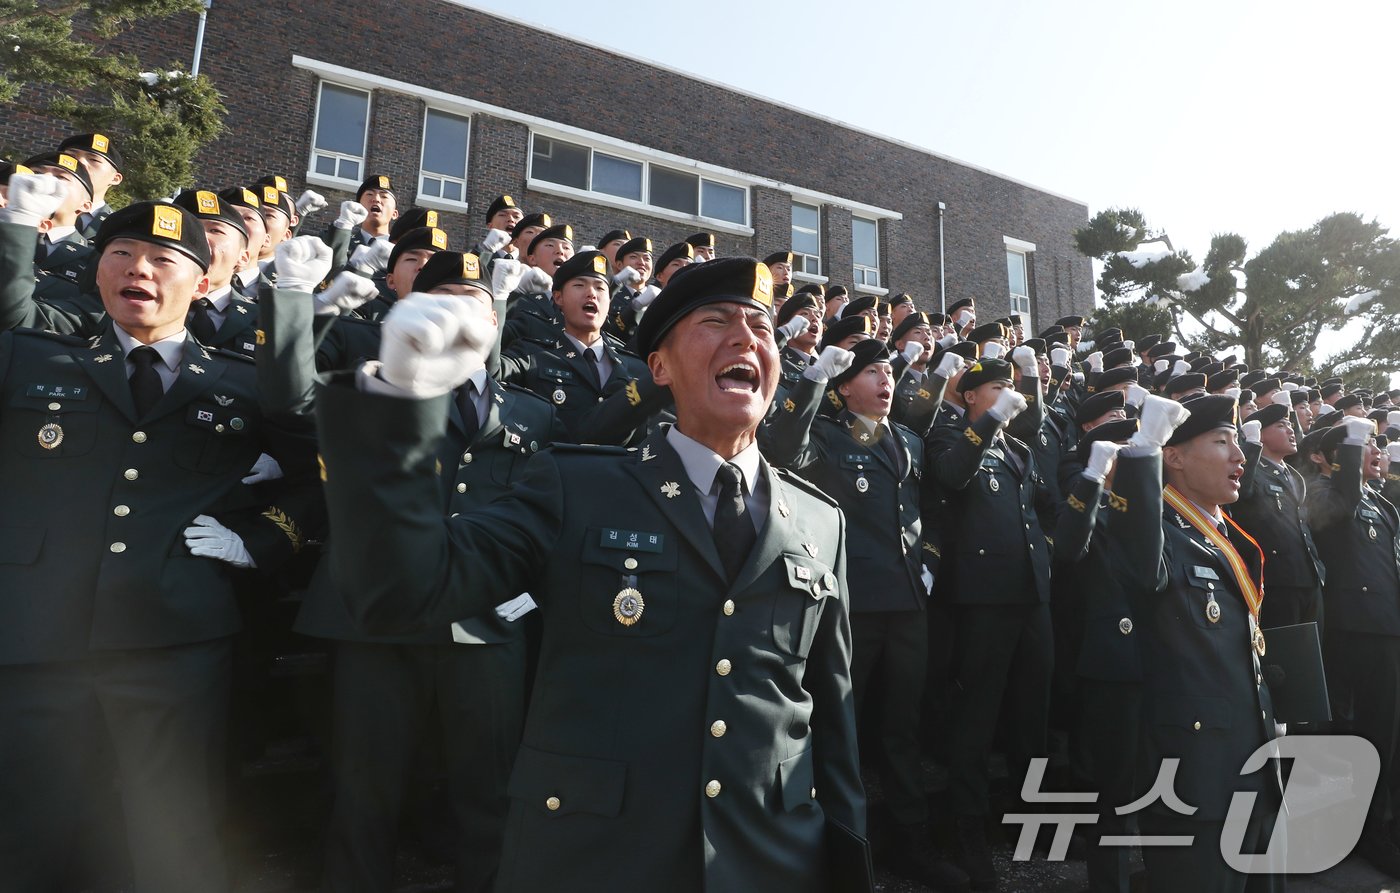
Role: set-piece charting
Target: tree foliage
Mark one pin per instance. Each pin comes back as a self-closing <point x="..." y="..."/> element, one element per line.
<point x="1343" y="272"/>
<point x="59" y="61"/>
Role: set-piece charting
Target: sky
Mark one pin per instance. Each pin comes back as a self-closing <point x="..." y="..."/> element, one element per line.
<point x="1224" y="116"/>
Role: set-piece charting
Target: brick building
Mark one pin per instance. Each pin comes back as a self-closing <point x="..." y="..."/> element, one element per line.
<point x="424" y="92"/>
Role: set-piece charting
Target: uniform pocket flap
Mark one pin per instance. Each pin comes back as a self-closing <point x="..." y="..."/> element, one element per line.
<point x="796" y="780"/>
<point x="560" y="785"/>
<point x="20" y="545"/>
<point x="1193" y="712"/>
<point x="809" y="575"/>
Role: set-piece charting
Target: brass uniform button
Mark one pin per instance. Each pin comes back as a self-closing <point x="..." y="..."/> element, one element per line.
<point x="466" y="458"/>
<point x="718" y="728"/>
<point x="712" y="789"/>
<point x="131" y="474"/>
<point x="723" y="667"/>
<point x="729" y="607"/>
<point x="1196" y="725"/>
<point x="54" y="407"/>
<point x="138" y="437"/>
<point x="552" y="804"/>
<point x="121" y="511"/>
<point x="118" y="547"/>
<point x="1125" y="626"/>
<point x="630" y="564"/>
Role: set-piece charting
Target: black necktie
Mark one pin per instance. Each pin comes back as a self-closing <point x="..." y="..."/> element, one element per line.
<point x="466" y="405"/>
<point x="888" y="444"/>
<point x="146" y="389"/>
<point x="201" y="323"/>
<point x="734" y="530"/>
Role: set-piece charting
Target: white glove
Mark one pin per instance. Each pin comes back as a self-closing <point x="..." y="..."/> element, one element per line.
<point x="506" y="274"/>
<point x="1009" y="405"/>
<point x="430" y="344"/>
<point x="1392" y="419"/>
<point x="265" y="469"/>
<point x="793" y="327"/>
<point x="1233" y="392"/>
<point x="912" y="351"/>
<point x="1160" y="366"/>
<point x="33" y="198"/>
<point x="302" y="263"/>
<point x="1326" y="409"/>
<point x="210" y="539"/>
<point x="1160" y="417"/>
<point x="310" y="202"/>
<point x="1024" y="358"/>
<point x="1101" y="456"/>
<point x="516" y="608"/>
<point x="352" y="214"/>
<point x="1282" y="398"/>
<point x="495" y="240"/>
<point x="628" y="276"/>
<point x="1393" y="451"/>
<point x="926" y="577"/>
<point x="1136" y="394"/>
<point x="831" y="363"/>
<point x="1130" y="345"/>
<point x="535" y="281"/>
<point x="1059" y="356"/>
<point x="1095" y="361"/>
<point x="1251" y="431"/>
<point x="1290" y="386"/>
<point x="965" y="316"/>
<point x="1358" y="430"/>
<point x="992" y="351"/>
<point x="1181" y="368"/>
<point x="648" y="294"/>
<point x="947" y="341"/>
<point x="346" y="292"/>
<point x="949" y="364"/>
<point x="372" y="259"/>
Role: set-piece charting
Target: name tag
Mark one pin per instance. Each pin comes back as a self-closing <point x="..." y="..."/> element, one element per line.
<point x="1205" y="573"/>
<point x="56" y="391"/>
<point x="632" y="540"/>
<point x="1368" y="513"/>
<point x="1274" y="488"/>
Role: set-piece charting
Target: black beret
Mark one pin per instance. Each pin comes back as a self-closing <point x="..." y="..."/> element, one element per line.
<point x="557" y="231"/>
<point x="866" y="352"/>
<point x="1070" y="322"/>
<point x="1096" y="405"/>
<point x="1331" y="439"/>
<point x="374" y="181"/>
<point x="1249" y="379"/>
<point x="1161" y="349"/>
<point x="965" y="349"/>
<point x="1314" y="395"/>
<point x="814" y="288"/>
<point x="1208" y="412"/>
<point x="99" y="143"/>
<point x="1035" y="344"/>
<point x="1118" y="356"/>
<point x="983" y="371"/>
<point x="1349" y="401"/>
<point x="778" y="257"/>
<point x="1335" y="379"/>
<point x="451" y="268"/>
<point x="9" y="167"/>
<point x="1112" y="377"/>
<point x="424" y="238"/>
<point x="592" y="264"/>
<point x="702" y="240"/>
<point x="1193" y="356"/>
<point x="412" y="219"/>
<point x="1110" y="336"/>
<point x="986" y="332"/>
<point x="240" y="197"/>
<point x="835" y="291"/>
<point x="909" y="323"/>
<point x="959" y="304"/>
<point x="272" y="197"/>
<point x="1268" y="415"/>
<point x="499" y="204"/>
<point x="861" y="304"/>
<point x="614" y="235"/>
<point x="1328" y="390"/>
<point x="1147" y="343"/>
<point x="1299" y="395"/>
<point x="1180" y="384"/>
<point x="1055" y="336"/>
<point x="936" y="319"/>
<point x="799" y="301"/>
<point x="1246" y="396"/>
<point x="738" y="280"/>
<point x="276" y="181"/>
<point x="1379" y="416"/>
<point x="1224" y="379"/>
<point x="66" y="162"/>
<point x="160" y="223"/>
<point x="1116" y="431"/>
<point x="206" y="205"/>
<point x="900" y="298"/>
<point x="541" y="220"/>
<point x="1202" y="364"/>
<point x="845" y="327"/>
<point x="882" y="308"/>
<point x="640" y="243"/>
<point x="674" y="253"/>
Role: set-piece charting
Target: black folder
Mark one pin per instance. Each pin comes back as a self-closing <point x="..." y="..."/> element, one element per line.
<point x="848" y="860"/>
<point x="1292" y="666"/>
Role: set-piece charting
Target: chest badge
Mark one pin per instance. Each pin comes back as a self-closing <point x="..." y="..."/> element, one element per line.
<point x="862" y="484"/>
<point x="50" y="436"/>
<point x="994" y="485"/>
<point x="559" y="395"/>
<point x="1212" y="609"/>
<point x="1372" y="532"/>
<point x="628" y="606"/>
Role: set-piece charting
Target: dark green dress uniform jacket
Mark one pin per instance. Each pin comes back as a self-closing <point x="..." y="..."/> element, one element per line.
<point x="238" y="333"/>
<point x="531" y="316"/>
<point x="95" y="500"/>
<point x="703" y="746"/>
<point x="1271" y="509"/>
<point x="556" y="371"/>
<point x="1363" y="571"/>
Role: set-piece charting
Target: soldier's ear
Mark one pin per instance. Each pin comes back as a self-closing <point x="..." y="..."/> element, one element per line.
<point x="1173" y="458"/>
<point x="117" y="179"/>
<point x="659" y="372"/>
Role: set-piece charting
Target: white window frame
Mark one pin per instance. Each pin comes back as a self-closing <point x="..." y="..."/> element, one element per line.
<point x="806" y="259"/>
<point x="1020" y="303"/>
<point x="644" y="206"/>
<point x="423" y="199"/>
<point x="860" y="271"/>
<point x="337" y="182"/>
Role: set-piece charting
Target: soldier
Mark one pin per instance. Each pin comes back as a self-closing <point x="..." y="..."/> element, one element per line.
<point x="62" y="251"/>
<point x="99" y="156"/>
<point x="502" y="215"/>
<point x="800" y="348"/>
<point x="524" y="233"/>
<point x="780" y="262"/>
<point x="611" y="241"/>
<point x="221" y="318"/>
<point x="122" y="446"/>
<point x="704" y="246"/>
<point x="246" y="204"/>
<point x="693" y="731"/>
<point x="531" y="313"/>
<point x="836" y="300"/>
<point x="631" y="268"/>
<point x="406" y="258"/>
<point x="279" y="217"/>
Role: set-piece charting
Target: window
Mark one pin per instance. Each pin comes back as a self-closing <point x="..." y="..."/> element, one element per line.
<point x="342" y="125"/>
<point x="444" y="166"/>
<point x="865" y="251"/>
<point x="806" y="239"/>
<point x="603" y="172"/>
<point x="1018" y="281"/>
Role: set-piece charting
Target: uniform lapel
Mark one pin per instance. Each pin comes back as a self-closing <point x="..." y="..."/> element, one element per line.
<point x="497" y="409"/>
<point x="778" y="531"/>
<point x="197" y="374"/>
<point x="105" y="364"/>
<point x="238" y="318"/>
<point x="661" y="474"/>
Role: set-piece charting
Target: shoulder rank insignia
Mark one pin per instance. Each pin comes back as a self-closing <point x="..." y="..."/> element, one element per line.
<point x="1117" y="503"/>
<point x="95" y="342"/>
<point x="240" y="308"/>
<point x="973" y="437"/>
<point x="789" y="406"/>
<point x="865" y="437"/>
<point x="1075" y="503"/>
<point x="634" y="396"/>
<point x="570" y="355"/>
<point x="102" y="358"/>
<point x="811" y="549"/>
<point x="646" y="453"/>
<point x="671" y="489"/>
<point x="783" y="507"/>
<point x="197" y="370"/>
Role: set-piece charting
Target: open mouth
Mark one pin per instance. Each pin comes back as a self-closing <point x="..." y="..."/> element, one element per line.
<point x="590" y="307"/>
<point x="738" y="377"/>
<point x="133" y="293"/>
<point x="376" y="208"/>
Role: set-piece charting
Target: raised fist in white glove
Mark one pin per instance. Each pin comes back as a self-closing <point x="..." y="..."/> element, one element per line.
<point x="372" y="259"/>
<point x="265" y="469"/>
<point x="1233" y="392"/>
<point x="1136" y="395"/>
<point x="794" y="327"/>
<point x="1392" y="450"/>
<point x="1358" y="430"/>
<point x="993" y="351"/>
<point x="310" y="202"/>
<point x="352" y="214"/>
<point x="1024" y="358"/>
<point x="965" y="316"/>
<point x="1392" y="419"/>
<point x="1181" y="368"/>
<point x="1282" y="398"/>
<point x="1326" y="409"/>
<point x="430" y="344"/>
<point x="1008" y="405"/>
<point x="912" y="351"/>
<point x="1160" y="417"/>
<point x="1095" y="361"/>
<point x="1160" y="366"/>
<point x="207" y="538"/>
<point x="949" y="364"/>
<point x="831" y="363"/>
<point x="506" y="274"/>
<point x="947" y="341"/>
<point x="1251" y="431"/>
<point x="302" y="263"/>
<point x="1101" y="456"/>
<point x="1059" y="356"/>
<point x="536" y="281"/>
<point x="628" y="276"/>
<point x="643" y="300"/>
<point x="33" y="198"/>
<point x="346" y="292"/>
<point x="495" y="240"/>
